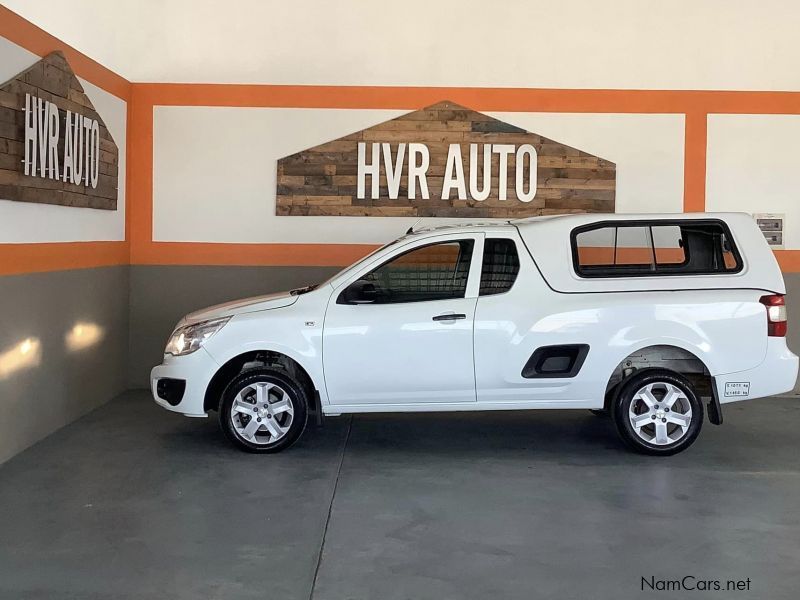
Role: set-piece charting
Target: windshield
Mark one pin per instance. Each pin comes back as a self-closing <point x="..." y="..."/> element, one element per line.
<point x="357" y="264"/>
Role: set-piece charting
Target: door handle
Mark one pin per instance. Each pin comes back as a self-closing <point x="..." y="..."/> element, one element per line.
<point x="450" y="317"/>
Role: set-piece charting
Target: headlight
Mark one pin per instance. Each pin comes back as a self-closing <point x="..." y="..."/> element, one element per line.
<point x="186" y="340"/>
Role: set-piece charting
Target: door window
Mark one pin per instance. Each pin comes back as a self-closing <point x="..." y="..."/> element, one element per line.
<point x="500" y="266"/>
<point x="432" y="272"/>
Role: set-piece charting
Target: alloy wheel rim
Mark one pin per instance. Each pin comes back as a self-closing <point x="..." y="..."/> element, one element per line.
<point x="660" y="413"/>
<point x="262" y="413"/>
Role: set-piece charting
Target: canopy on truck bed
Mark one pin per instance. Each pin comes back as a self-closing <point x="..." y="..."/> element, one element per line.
<point x="597" y="252"/>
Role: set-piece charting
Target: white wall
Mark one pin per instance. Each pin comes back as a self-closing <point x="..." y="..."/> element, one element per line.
<point x="753" y="166"/>
<point x="648" y="151"/>
<point x="22" y="222"/>
<point x="634" y="44"/>
<point x="214" y="169"/>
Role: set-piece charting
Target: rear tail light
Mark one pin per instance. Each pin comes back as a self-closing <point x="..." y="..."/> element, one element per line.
<point x="776" y="315"/>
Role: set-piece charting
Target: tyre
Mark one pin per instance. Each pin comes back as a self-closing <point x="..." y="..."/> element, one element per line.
<point x="658" y="412"/>
<point x="263" y="410"/>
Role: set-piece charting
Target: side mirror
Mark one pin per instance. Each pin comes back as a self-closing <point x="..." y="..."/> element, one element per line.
<point x="359" y="292"/>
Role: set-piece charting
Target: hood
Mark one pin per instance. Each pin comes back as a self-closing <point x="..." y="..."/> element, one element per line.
<point x="238" y="307"/>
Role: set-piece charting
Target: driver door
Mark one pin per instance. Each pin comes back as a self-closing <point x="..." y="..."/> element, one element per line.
<point x="400" y="332"/>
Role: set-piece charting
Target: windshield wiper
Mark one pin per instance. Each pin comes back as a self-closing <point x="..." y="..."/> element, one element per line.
<point x="304" y="290"/>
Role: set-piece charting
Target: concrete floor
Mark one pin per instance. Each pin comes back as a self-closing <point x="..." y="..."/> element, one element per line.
<point x="131" y="502"/>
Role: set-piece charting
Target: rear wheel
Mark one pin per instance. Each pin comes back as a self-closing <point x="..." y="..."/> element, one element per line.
<point x="263" y="410"/>
<point x="658" y="412"/>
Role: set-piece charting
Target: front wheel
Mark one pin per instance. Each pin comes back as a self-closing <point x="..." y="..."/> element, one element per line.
<point x="263" y="410"/>
<point x="658" y="412"/>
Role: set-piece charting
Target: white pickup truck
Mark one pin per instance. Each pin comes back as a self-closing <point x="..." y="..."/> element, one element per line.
<point x="636" y="316"/>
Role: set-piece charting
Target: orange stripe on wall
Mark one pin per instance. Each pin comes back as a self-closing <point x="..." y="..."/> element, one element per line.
<point x="789" y="260"/>
<point x="27" y="35"/>
<point x="694" y="162"/>
<point x="16" y="259"/>
<point x="485" y="99"/>
<point x="267" y="255"/>
<point x="139" y="221"/>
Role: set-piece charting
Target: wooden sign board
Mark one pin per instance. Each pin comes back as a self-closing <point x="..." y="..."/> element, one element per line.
<point x="444" y="161"/>
<point x="54" y="147"/>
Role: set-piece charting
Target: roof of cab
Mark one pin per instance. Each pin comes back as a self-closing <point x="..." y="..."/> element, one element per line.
<point x="455" y="227"/>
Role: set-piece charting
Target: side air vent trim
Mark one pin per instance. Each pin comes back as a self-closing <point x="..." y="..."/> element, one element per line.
<point x="563" y="361"/>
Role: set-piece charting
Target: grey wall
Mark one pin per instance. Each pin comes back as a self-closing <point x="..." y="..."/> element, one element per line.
<point x="37" y="399"/>
<point x="134" y="308"/>
<point x="793" y="308"/>
<point x="161" y="295"/>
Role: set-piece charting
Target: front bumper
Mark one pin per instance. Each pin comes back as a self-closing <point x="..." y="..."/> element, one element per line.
<point x="196" y="369"/>
<point x="777" y="374"/>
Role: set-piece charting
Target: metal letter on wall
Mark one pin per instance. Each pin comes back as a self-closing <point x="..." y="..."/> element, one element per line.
<point x="54" y="147"/>
<point x="444" y="161"/>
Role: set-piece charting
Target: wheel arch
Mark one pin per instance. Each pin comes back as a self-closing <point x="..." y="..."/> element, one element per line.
<point x="254" y="359"/>
<point x="672" y="356"/>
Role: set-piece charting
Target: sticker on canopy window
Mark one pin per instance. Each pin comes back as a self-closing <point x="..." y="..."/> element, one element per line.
<point x="737" y="388"/>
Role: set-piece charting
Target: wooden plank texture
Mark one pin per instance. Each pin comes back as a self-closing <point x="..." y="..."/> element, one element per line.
<point x="53" y="80"/>
<point x="322" y="181"/>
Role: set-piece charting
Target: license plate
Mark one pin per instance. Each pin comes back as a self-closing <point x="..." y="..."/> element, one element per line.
<point x="737" y="388"/>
